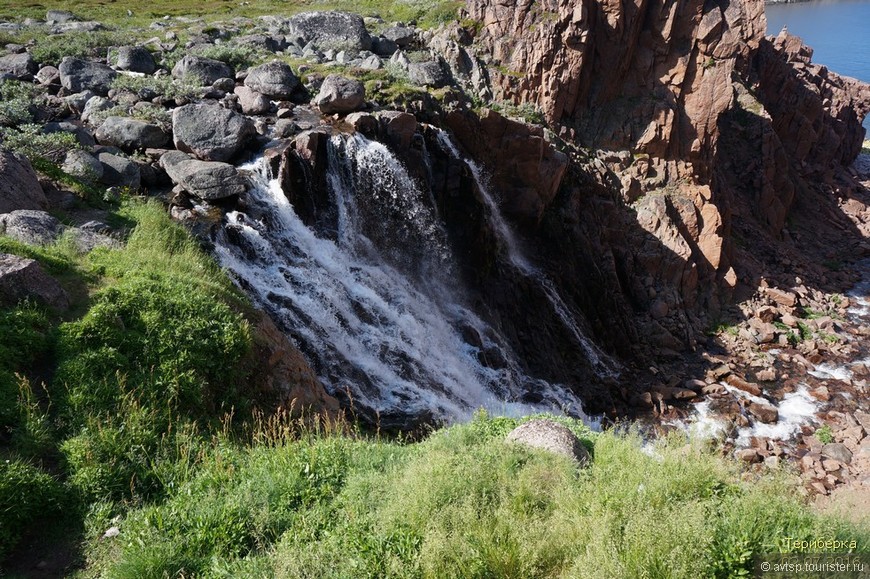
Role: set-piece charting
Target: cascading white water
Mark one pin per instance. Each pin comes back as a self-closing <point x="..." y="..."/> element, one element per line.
<point x="391" y="333"/>
<point x="603" y="364"/>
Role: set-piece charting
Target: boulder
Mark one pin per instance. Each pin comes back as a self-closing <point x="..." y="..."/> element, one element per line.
<point x="130" y="134"/>
<point x="203" y="70"/>
<point x="83" y="165"/>
<point x="18" y="65"/>
<point x="30" y="227"/>
<point x="340" y="95"/>
<point x="550" y="436"/>
<point x="399" y="127"/>
<point x="119" y="171"/>
<point x="135" y="59"/>
<point x="48" y="75"/>
<point x="429" y="73"/>
<point x="252" y="102"/>
<point x="331" y="30"/>
<point x="766" y="413"/>
<point x="273" y="79"/>
<point x="22" y="278"/>
<point x="210" y="132"/>
<point x="19" y="185"/>
<point x="77" y="75"/>
<point x="403" y="36"/>
<point x="838" y="451"/>
<point x="208" y="180"/>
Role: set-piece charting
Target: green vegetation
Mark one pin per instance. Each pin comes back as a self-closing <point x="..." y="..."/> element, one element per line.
<point x="330" y="505"/>
<point x="824" y="434"/>
<point x="427" y="14"/>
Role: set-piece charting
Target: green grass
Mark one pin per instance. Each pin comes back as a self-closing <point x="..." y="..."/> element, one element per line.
<point x="427" y="14"/>
<point x="460" y="504"/>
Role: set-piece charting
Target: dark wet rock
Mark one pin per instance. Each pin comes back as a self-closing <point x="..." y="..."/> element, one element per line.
<point x="210" y="132"/>
<point x="77" y="75"/>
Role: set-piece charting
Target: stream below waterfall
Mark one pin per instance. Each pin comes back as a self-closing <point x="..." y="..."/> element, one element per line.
<point x="834" y="386"/>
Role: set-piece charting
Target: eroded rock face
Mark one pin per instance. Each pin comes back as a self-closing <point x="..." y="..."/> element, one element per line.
<point x="525" y="169"/>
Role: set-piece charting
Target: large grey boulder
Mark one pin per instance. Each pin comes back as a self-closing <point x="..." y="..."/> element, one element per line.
<point x="429" y="73"/>
<point x="19" y="185"/>
<point x="130" y="134"/>
<point x="210" y="132"/>
<point x="252" y="102"/>
<point x="550" y="436"/>
<point x="135" y="59"/>
<point x="274" y="79"/>
<point x="203" y="70"/>
<point x="77" y="75"/>
<point x="22" y="278"/>
<point x="83" y="165"/>
<point x="331" y="30"/>
<point x="208" y="180"/>
<point x="30" y="227"/>
<point x="18" y="65"/>
<point x="340" y="95"/>
<point x="120" y="171"/>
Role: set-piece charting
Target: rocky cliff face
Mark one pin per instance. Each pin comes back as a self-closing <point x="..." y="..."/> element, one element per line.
<point x="703" y="125"/>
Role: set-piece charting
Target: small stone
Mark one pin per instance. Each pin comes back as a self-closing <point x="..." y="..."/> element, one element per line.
<point x="748" y="455"/>
<point x="111" y="532"/>
<point x="838" y="452"/>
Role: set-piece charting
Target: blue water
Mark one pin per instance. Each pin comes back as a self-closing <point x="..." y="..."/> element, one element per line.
<point x="837" y="30"/>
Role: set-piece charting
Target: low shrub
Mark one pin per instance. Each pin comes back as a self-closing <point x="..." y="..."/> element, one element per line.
<point x="26" y="493"/>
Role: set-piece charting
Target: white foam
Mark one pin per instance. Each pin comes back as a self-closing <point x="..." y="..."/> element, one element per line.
<point x="796" y="409"/>
<point x="828" y="371"/>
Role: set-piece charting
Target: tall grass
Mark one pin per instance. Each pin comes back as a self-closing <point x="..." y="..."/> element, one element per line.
<point x="463" y="503"/>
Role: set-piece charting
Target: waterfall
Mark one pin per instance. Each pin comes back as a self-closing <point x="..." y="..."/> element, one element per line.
<point x="512" y="248"/>
<point x="377" y="310"/>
